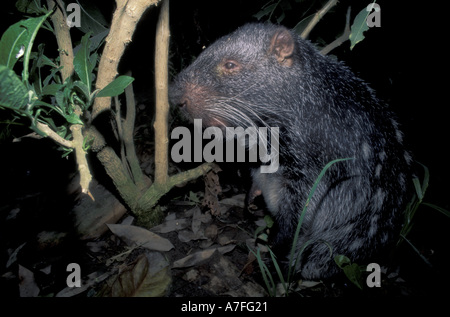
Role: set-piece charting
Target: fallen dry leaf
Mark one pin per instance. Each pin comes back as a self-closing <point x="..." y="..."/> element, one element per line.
<point x="198" y="257"/>
<point x="92" y="279"/>
<point x="197" y="218"/>
<point x="27" y="286"/>
<point x="142" y="280"/>
<point x="187" y="235"/>
<point x="212" y="190"/>
<point x="212" y="231"/>
<point x="13" y="256"/>
<point x="172" y="225"/>
<point x="221" y="277"/>
<point x="237" y="200"/>
<point x="137" y="236"/>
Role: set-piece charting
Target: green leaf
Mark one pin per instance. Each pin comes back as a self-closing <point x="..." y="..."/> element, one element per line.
<point x="269" y="221"/>
<point x="45" y="61"/>
<point x="341" y="260"/>
<point x="92" y="18"/>
<point x="265" y="11"/>
<point x="59" y="97"/>
<point x="351" y="270"/>
<point x="12" y="44"/>
<point x="83" y="88"/>
<point x="52" y="76"/>
<point x="41" y="105"/>
<point x="278" y="270"/>
<point x="353" y="273"/>
<point x="51" y="89"/>
<point x="29" y="6"/>
<point x="426" y="179"/>
<point x="81" y="62"/>
<point x="424" y="259"/>
<point x="422" y="188"/>
<point x="98" y="39"/>
<point x="359" y="26"/>
<point x="440" y="209"/>
<point x="193" y="198"/>
<point x="13" y="93"/>
<point x="302" y="215"/>
<point x="18" y="40"/>
<point x="418" y="188"/>
<point x="116" y="87"/>
<point x="265" y="272"/>
<point x="73" y="119"/>
<point x="93" y="61"/>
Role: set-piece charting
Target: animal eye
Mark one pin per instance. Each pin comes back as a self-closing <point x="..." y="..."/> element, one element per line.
<point x="230" y="65"/>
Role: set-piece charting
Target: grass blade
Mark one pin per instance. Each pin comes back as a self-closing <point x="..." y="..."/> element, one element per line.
<point x="311" y="193"/>
<point x="440" y="209"/>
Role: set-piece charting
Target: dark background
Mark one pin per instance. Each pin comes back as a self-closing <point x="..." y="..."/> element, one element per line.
<point x="404" y="61"/>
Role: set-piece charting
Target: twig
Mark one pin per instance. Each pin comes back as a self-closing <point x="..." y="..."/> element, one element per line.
<point x="317" y="17"/>
<point x="53" y="135"/>
<point x="341" y="39"/>
<point x="162" y="101"/>
<point x="66" y="60"/>
<point x="156" y="191"/>
<point x="80" y="154"/>
<point x="125" y="19"/>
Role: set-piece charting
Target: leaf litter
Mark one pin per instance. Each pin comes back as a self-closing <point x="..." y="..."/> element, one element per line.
<point x="188" y="245"/>
<point x="191" y="253"/>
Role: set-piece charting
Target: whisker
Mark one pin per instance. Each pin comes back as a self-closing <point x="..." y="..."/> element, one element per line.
<point x="235" y="109"/>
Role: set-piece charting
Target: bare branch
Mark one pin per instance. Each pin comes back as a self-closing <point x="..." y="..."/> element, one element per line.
<point x="341" y="39"/>
<point x="53" y="135"/>
<point x="80" y="154"/>
<point x="317" y="18"/>
<point x="125" y="19"/>
<point x="162" y="99"/>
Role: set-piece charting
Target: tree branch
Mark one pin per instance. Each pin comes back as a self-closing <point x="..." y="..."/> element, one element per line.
<point x="341" y="39"/>
<point x="162" y="99"/>
<point x="156" y="191"/>
<point x="125" y="19"/>
<point x="121" y="179"/>
<point x="80" y="154"/>
<point x="53" y="135"/>
<point x="63" y="39"/>
<point x="319" y="14"/>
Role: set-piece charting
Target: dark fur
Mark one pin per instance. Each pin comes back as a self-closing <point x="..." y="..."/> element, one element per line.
<point x="324" y="112"/>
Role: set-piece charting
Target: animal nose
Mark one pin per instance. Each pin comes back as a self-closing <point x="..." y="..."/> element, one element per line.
<point x="183" y="103"/>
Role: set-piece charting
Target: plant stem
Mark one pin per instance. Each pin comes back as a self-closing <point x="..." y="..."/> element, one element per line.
<point x="162" y="99"/>
<point x="53" y="135"/>
<point x="317" y="18"/>
<point x="62" y="33"/>
<point x="125" y="19"/>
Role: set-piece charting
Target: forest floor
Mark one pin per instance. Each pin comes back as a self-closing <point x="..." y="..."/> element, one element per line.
<point x="199" y="254"/>
<point x="196" y="251"/>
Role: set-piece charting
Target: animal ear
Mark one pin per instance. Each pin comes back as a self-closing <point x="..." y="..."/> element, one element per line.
<point x="282" y="46"/>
